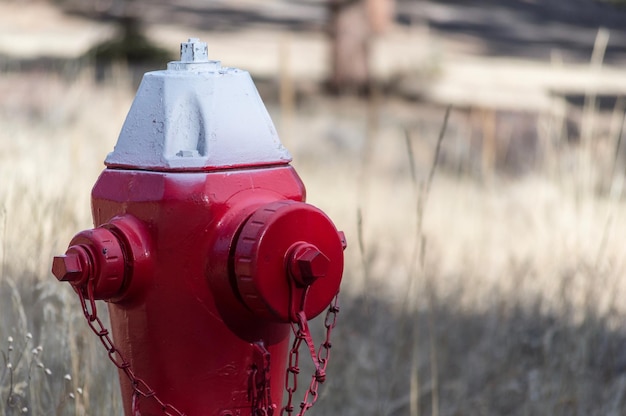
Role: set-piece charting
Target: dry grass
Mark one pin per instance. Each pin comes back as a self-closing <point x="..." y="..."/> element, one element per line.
<point x="53" y="140"/>
<point x="496" y="294"/>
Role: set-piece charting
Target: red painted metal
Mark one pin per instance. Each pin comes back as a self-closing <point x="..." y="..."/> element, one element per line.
<point x="204" y="273"/>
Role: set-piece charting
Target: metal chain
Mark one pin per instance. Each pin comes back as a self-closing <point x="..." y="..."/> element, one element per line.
<point x="140" y="387"/>
<point x="320" y="358"/>
<point x="266" y="406"/>
<point x="262" y="402"/>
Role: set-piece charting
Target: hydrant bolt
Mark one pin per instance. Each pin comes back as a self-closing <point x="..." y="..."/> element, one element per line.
<point x="308" y="264"/>
<point x="68" y="267"/>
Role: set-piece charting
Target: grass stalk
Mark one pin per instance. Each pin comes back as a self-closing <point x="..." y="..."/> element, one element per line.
<point x="590" y="110"/>
<point x="422" y="190"/>
<point x="286" y="89"/>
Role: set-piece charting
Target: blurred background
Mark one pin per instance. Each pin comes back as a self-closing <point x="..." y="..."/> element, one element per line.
<point x="471" y="151"/>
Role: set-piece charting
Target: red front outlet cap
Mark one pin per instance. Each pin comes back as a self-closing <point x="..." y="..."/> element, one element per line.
<point x="288" y="250"/>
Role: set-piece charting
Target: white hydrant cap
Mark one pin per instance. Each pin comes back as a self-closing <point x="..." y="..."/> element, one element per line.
<point x="197" y="115"/>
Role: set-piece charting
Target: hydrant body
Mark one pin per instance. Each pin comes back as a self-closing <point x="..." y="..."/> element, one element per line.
<point x="172" y="327"/>
<point x="203" y="247"/>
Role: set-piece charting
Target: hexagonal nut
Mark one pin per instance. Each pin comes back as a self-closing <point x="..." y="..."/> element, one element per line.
<point x="312" y="264"/>
<point x="67" y="267"/>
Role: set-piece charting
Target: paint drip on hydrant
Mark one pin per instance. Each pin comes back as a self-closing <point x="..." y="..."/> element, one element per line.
<point x="205" y="252"/>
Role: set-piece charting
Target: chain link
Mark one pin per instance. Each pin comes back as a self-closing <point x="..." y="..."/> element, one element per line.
<point x="140" y="387"/>
<point x="320" y="358"/>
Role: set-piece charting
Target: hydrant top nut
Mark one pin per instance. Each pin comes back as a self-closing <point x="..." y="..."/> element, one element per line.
<point x="194" y="51"/>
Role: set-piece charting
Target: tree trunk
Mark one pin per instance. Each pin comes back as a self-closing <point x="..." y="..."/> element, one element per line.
<point x="353" y="24"/>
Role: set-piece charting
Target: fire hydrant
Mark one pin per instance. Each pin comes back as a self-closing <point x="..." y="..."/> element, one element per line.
<point x="205" y="251"/>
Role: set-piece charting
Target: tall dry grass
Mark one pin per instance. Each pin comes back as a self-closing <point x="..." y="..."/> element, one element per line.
<point x="54" y="136"/>
<point x="470" y="288"/>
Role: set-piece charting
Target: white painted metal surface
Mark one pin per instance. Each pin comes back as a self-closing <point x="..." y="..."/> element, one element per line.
<point x="197" y="115"/>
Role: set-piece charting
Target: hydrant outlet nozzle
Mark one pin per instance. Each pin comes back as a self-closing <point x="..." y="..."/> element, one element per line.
<point x="93" y="254"/>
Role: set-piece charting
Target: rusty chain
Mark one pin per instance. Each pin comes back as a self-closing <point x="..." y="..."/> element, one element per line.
<point x="320" y="358"/>
<point x="140" y="387"/>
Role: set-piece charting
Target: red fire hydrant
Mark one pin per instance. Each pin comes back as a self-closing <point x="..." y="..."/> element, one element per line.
<point x="205" y="251"/>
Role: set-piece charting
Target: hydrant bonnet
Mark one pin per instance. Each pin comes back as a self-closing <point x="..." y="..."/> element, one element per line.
<point x="197" y="116"/>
